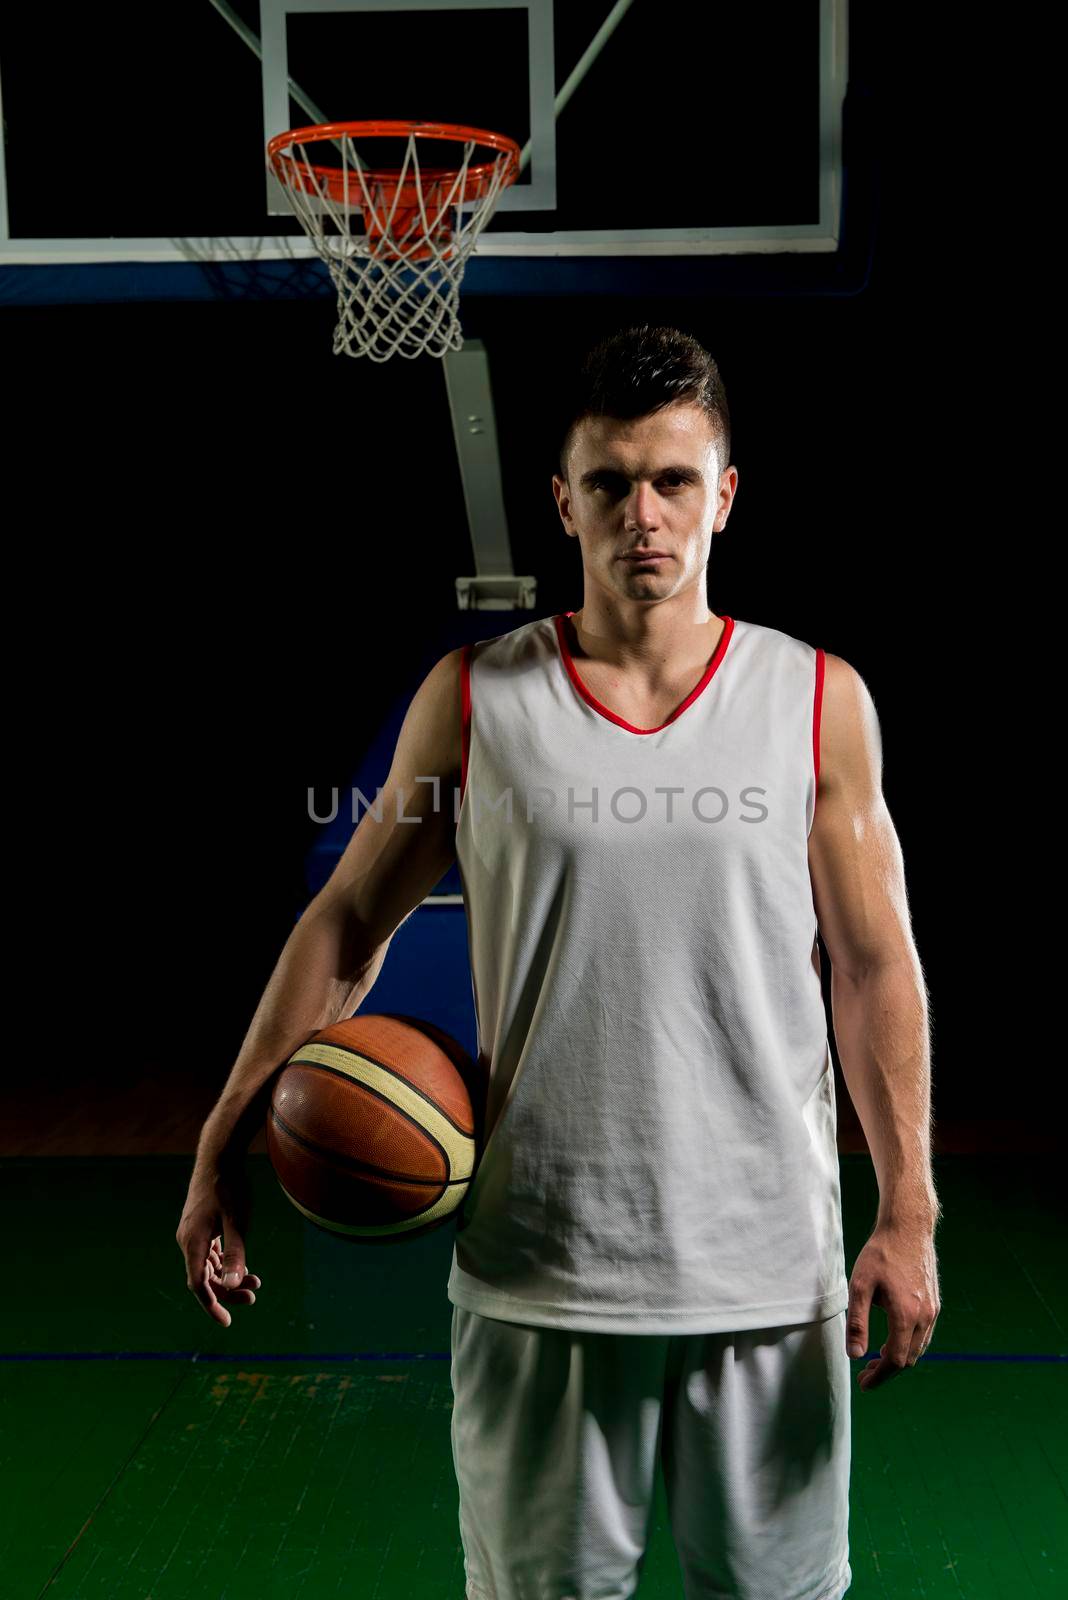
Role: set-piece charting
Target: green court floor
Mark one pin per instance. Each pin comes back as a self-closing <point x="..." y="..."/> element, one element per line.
<point x="147" y="1454"/>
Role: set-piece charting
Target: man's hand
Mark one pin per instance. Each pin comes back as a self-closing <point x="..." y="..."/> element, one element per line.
<point x="214" y="1274"/>
<point x="896" y="1270"/>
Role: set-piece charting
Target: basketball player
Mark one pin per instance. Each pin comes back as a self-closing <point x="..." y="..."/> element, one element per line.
<point x="658" y="807"/>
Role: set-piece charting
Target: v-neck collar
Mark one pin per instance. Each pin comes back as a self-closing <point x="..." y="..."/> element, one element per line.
<point x="603" y="710"/>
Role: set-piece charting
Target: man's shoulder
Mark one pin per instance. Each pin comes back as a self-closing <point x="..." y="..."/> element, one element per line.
<point x="514" y="641"/>
<point x="775" y="648"/>
<point x="850" y="738"/>
<point x="766" y="634"/>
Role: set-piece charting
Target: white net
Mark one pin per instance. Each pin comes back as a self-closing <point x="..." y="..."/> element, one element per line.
<point x="396" y="244"/>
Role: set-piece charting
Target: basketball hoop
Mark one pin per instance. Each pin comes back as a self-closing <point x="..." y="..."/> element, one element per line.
<point x="395" y="239"/>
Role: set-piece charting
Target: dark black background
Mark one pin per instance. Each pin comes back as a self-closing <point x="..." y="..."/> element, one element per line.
<point x="235" y="550"/>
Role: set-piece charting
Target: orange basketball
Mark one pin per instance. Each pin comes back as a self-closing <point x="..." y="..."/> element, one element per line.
<point x="371" y="1131"/>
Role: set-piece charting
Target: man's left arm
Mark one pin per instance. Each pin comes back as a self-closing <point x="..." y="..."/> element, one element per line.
<point x="880" y="1016"/>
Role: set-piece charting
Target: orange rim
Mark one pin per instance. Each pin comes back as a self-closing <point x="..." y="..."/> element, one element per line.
<point x="476" y="182"/>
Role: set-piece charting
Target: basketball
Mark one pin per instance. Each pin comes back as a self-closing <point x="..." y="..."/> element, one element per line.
<point x="371" y="1131"/>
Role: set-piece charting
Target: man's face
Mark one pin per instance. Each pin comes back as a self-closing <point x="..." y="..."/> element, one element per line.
<point x="653" y="484"/>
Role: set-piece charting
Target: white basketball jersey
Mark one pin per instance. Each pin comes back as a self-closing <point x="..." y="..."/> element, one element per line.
<point x="659" y="1151"/>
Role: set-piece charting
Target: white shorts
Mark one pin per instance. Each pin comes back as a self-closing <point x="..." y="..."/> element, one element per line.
<point x="555" y="1439"/>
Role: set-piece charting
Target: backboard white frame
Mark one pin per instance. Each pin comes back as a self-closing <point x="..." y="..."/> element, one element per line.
<point x="820" y="236"/>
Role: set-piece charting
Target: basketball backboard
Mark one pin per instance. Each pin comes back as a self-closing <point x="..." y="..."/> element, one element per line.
<point x="651" y="129"/>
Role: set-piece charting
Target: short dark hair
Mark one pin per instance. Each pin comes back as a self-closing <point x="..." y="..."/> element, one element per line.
<point x="644" y="369"/>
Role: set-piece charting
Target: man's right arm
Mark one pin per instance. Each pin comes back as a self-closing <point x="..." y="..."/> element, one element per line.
<point x="326" y="970"/>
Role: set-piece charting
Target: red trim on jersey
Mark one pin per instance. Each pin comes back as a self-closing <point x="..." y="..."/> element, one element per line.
<point x="465" y="714"/>
<point x="572" y="672"/>
<point x="817" y="711"/>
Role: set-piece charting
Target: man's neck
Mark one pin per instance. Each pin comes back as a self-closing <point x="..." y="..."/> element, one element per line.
<point x="658" y="654"/>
